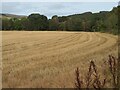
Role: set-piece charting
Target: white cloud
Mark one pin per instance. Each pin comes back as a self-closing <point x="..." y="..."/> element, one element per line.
<point x="55" y="8"/>
<point x="60" y="0"/>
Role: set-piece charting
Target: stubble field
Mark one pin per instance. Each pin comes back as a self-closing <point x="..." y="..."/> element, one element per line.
<point x="49" y="59"/>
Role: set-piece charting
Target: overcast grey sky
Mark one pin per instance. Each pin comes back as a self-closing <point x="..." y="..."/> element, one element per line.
<point x="55" y="8"/>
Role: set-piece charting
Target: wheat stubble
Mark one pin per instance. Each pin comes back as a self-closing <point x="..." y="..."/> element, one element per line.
<point x="48" y="59"/>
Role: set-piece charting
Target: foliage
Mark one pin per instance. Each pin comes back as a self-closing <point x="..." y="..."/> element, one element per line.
<point x="54" y="23"/>
<point x="104" y="21"/>
<point x="38" y="22"/>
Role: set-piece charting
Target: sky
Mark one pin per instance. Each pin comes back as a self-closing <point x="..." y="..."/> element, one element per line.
<point x="55" y="8"/>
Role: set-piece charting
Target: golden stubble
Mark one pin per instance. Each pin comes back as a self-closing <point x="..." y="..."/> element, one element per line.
<point x="49" y="59"/>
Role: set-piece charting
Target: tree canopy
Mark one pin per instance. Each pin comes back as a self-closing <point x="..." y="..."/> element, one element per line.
<point x="104" y="21"/>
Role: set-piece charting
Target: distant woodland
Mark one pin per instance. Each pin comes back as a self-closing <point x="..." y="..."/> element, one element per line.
<point x="104" y="21"/>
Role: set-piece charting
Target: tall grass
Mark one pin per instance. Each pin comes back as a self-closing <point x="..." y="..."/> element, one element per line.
<point x="93" y="78"/>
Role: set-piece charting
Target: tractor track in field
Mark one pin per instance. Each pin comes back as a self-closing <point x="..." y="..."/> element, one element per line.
<point x="34" y="58"/>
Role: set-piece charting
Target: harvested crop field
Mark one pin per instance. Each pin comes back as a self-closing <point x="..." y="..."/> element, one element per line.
<point x="49" y="59"/>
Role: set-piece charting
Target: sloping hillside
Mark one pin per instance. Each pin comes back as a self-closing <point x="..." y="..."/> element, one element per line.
<point x="11" y="16"/>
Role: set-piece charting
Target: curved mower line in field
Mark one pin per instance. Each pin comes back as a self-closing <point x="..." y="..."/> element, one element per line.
<point x="48" y="59"/>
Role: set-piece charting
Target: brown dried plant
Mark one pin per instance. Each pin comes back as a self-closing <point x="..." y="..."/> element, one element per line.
<point x="93" y="77"/>
<point x="78" y="81"/>
<point x="114" y="70"/>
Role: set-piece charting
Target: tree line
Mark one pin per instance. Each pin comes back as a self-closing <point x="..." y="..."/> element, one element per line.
<point x="104" y="21"/>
